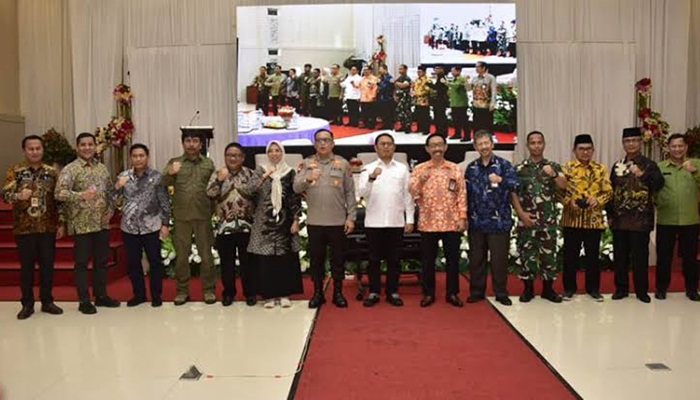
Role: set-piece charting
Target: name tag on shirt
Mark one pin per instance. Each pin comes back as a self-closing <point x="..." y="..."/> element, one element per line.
<point x="452" y="186"/>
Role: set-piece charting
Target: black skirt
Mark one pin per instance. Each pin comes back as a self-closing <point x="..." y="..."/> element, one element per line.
<point x="280" y="276"/>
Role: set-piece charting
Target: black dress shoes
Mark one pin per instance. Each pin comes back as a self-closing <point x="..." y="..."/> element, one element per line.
<point x="51" y="308"/>
<point x="619" y="295"/>
<point x="644" y="298"/>
<point x="427" y="301"/>
<point x="87" y="308"/>
<point x="660" y="295"/>
<point x="251" y="301"/>
<point x="693" y="296"/>
<point x="528" y="292"/>
<point x="454" y="300"/>
<point x="226" y="301"/>
<point x="317" y="300"/>
<point x="504" y="300"/>
<point x="156" y="302"/>
<point x="135" y="301"/>
<point x="551" y="296"/>
<point x="339" y="300"/>
<point x="106" y="301"/>
<point x="395" y="300"/>
<point x="25" y="312"/>
<point x="371" y="300"/>
<point x="474" y="299"/>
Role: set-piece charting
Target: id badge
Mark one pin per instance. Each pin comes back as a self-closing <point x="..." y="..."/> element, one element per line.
<point x="35" y="202"/>
<point x="452" y="186"/>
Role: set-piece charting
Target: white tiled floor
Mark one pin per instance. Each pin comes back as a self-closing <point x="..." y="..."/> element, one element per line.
<point x="243" y="352"/>
<point x="601" y="349"/>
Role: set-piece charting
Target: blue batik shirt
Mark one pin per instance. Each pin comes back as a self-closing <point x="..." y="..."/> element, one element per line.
<point x="386" y="89"/>
<point x="489" y="206"/>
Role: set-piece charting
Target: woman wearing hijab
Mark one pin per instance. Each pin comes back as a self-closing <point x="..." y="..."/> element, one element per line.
<point x="274" y="236"/>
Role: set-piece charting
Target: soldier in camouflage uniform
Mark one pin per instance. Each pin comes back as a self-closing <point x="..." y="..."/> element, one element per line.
<point x="536" y="203"/>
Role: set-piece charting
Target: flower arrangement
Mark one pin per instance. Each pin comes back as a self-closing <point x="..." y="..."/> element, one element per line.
<point x="654" y="128"/>
<point x="120" y="129"/>
<point x="505" y="114"/>
<point x="122" y="94"/>
<point x="379" y="56"/>
<point x="57" y="149"/>
<point x="355" y="165"/>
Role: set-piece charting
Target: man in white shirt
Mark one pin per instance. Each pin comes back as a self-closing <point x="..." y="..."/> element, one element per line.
<point x="351" y="87"/>
<point x="388" y="214"/>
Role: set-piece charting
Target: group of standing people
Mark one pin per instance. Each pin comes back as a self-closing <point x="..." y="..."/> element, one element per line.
<point x="258" y="219"/>
<point x="393" y="99"/>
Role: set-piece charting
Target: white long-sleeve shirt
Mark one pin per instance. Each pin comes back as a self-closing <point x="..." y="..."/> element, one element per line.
<point x="352" y="92"/>
<point x="388" y="201"/>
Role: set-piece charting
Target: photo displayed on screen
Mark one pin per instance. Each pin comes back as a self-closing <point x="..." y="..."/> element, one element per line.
<point x="364" y="69"/>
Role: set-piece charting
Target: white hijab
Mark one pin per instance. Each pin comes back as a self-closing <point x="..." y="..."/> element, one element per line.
<point x="282" y="170"/>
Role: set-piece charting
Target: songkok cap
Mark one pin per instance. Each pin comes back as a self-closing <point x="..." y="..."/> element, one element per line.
<point x="631" y="132"/>
<point x="583" y="138"/>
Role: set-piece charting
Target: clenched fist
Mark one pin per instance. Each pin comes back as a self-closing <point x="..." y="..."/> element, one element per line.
<point x="222" y="174"/>
<point x="547" y="169"/>
<point x="24" y="194"/>
<point x="174" y="168"/>
<point x="377" y="171"/>
<point x="121" y="182"/>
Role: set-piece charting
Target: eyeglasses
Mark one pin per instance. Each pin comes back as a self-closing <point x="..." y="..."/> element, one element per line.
<point x="323" y="140"/>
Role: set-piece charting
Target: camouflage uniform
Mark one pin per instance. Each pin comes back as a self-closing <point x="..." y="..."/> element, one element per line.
<point x="540" y="255"/>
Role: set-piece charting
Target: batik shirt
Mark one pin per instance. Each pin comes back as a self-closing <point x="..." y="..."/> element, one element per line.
<point x="442" y="199"/>
<point x="146" y="202"/>
<point x="490" y="204"/>
<point x="386" y="89"/>
<point x="585" y="181"/>
<point x="39" y="213"/>
<point x="538" y="192"/>
<point x="85" y="216"/>
<point x="234" y="213"/>
<point x="421" y="91"/>
<point x="632" y="204"/>
<point x="483" y="91"/>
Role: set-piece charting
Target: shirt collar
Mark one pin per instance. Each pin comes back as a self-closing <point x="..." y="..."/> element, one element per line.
<point x="195" y="161"/>
<point x="84" y="163"/>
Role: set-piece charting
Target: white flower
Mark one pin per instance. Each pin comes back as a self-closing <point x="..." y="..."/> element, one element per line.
<point x="172" y="255"/>
<point x="303" y="232"/>
<point x="304" y="266"/>
<point x="464" y="245"/>
<point x="443" y="260"/>
<point x="214" y="253"/>
<point x="197" y="259"/>
<point x="163" y="253"/>
<point x="217" y="261"/>
<point x="302" y="253"/>
<point x="464" y="255"/>
<point x="166" y="262"/>
<point x="193" y="249"/>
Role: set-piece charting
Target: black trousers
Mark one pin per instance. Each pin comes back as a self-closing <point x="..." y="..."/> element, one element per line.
<point x="461" y="122"/>
<point x="320" y="238"/>
<point x="369" y="116"/>
<point x="422" y="116"/>
<point x="293" y="102"/>
<point x="36" y="248"/>
<point x="590" y="238"/>
<point x="277" y="101"/>
<point x="353" y="111"/>
<point x="384" y="243"/>
<point x="335" y="110"/>
<point x="387" y="111"/>
<point x="483" y="119"/>
<point x="631" y="247"/>
<point x="440" y="119"/>
<point x="230" y="247"/>
<point x="263" y="102"/>
<point x="688" y="243"/>
<point x="480" y="245"/>
<point x="135" y="246"/>
<point x="93" y="245"/>
<point x="429" y="251"/>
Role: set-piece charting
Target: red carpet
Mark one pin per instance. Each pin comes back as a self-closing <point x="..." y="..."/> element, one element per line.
<point x="412" y="353"/>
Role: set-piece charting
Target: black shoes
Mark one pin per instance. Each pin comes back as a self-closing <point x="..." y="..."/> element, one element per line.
<point x="226" y="300"/>
<point x="106" y="301"/>
<point x="251" y="301"/>
<point x="693" y="296"/>
<point x="156" y="302"/>
<point x="317" y="300"/>
<point x="25" y="312"/>
<point x="504" y="300"/>
<point x="87" y="308"/>
<point x="619" y="295"/>
<point x="51" y="308"/>
<point x="568" y="296"/>
<point x="474" y="299"/>
<point x="427" y="301"/>
<point x="528" y="292"/>
<point x="551" y="296"/>
<point x="454" y="300"/>
<point x="660" y="295"/>
<point x="135" y="301"/>
<point x="596" y="296"/>
<point x="371" y="300"/>
<point x="643" y="297"/>
<point x="339" y="299"/>
<point x="394" y="300"/>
